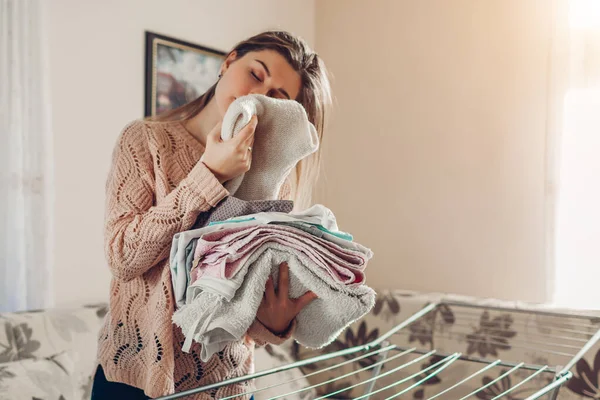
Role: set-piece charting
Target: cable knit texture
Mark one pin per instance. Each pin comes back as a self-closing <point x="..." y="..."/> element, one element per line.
<point x="156" y="188"/>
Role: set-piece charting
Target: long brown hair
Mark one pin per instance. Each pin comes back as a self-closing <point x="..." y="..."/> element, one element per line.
<point x="315" y="96"/>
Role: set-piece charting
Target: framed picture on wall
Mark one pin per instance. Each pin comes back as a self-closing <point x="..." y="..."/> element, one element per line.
<point x="177" y="72"/>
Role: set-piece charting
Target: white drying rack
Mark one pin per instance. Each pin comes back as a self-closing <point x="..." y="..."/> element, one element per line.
<point x="565" y="345"/>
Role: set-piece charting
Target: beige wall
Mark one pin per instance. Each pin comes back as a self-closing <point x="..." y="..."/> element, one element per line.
<point x="96" y="51"/>
<point x="435" y="157"/>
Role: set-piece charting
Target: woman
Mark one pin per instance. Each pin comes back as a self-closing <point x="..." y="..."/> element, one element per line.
<point x="158" y="186"/>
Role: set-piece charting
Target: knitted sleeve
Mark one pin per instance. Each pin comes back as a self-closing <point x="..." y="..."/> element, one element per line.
<point x="262" y="335"/>
<point x="138" y="232"/>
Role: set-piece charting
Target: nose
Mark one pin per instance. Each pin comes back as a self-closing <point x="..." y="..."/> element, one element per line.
<point x="260" y="90"/>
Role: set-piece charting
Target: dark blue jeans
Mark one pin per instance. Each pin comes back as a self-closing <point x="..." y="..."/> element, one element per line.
<point x="103" y="389"/>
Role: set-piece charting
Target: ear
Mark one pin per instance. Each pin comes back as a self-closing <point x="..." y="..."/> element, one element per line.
<point x="231" y="57"/>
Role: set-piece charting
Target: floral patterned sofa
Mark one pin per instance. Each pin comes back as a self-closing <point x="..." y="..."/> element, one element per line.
<point x="481" y="332"/>
<point x="50" y="354"/>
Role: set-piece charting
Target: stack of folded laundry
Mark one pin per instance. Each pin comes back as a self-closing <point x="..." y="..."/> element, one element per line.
<point x="219" y="269"/>
<point x="219" y="272"/>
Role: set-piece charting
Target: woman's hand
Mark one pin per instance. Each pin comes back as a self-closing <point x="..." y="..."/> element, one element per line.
<point x="277" y="310"/>
<point x="230" y="158"/>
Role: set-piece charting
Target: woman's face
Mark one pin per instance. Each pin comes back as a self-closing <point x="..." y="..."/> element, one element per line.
<point x="263" y="72"/>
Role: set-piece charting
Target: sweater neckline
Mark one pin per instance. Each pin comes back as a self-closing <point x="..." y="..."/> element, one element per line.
<point x="187" y="135"/>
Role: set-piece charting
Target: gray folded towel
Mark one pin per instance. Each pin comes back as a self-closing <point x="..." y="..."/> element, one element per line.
<point x="318" y="324"/>
<point x="229" y="207"/>
<point x="283" y="137"/>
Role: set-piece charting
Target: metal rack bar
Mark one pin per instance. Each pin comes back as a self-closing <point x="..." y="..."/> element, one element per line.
<point x="508" y="364"/>
<point x="499" y="378"/>
<point x="380" y="376"/>
<point x="428" y="377"/>
<point x="591" y="321"/>
<point x="456" y="335"/>
<point x="534" y="334"/>
<point x="554" y="394"/>
<point x="424" y="311"/>
<point x="544" y="335"/>
<point x="337" y="378"/>
<point x="376" y="352"/>
<point x="571" y="346"/>
<point x="425" y="354"/>
<point x="255" y="375"/>
<point x="376" y="371"/>
<point x="517" y="310"/>
<point x="554" y="385"/>
<point x="380" y="347"/>
<point x="382" y="350"/>
<point x="482" y="370"/>
<point x="565" y="330"/>
<point x="581" y="352"/>
<point x="526" y="320"/>
<point x="449" y="359"/>
<point x="530" y="377"/>
<point x="516" y="346"/>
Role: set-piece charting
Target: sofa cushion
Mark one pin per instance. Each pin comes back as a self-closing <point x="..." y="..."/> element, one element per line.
<point x="38" y="379"/>
<point x="8" y="346"/>
<point x="43" y="334"/>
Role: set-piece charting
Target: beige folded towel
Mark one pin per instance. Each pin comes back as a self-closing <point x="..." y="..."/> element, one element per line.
<point x="283" y="137"/>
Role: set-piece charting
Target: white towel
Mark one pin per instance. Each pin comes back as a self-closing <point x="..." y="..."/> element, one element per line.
<point x="213" y="321"/>
<point x="283" y="137"/>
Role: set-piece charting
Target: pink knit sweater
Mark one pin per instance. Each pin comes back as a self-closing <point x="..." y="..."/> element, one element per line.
<point x="155" y="189"/>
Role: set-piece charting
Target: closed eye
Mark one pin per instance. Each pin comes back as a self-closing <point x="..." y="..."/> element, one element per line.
<point x="255" y="76"/>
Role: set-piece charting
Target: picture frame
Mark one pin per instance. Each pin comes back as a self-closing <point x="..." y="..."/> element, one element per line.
<point x="177" y="72"/>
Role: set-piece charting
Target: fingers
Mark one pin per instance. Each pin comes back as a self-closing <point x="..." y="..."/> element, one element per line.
<point x="215" y="134"/>
<point x="270" y="289"/>
<point x="304" y="300"/>
<point x="284" y="281"/>
<point x="249" y="141"/>
<point x="248" y="162"/>
<point x="248" y="145"/>
<point x="246" y="141"/>
<point x="246" y="135"/>
<point x="247" y="152"/>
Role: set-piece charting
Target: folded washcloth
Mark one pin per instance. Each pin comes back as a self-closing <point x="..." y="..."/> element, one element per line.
<point x="212" y="321"/>
<point x="233" y="207"/>
<point x="179" y="262"/>
<point x="318" y="216"/>
<point x="283" y="137"/>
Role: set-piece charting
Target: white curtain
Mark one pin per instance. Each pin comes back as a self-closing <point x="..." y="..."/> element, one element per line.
<point x="574" y="154"/>
<point x="25" y="159"/>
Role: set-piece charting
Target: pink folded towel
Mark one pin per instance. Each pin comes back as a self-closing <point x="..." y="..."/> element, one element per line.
<point x="221" y="254"/>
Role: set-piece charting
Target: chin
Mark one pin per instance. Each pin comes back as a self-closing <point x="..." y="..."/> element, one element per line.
<point x="224" y="104"/>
